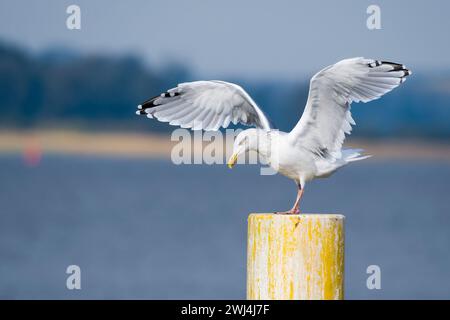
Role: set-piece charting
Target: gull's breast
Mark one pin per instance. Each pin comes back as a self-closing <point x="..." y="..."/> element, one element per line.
<point x="291" y="161"/>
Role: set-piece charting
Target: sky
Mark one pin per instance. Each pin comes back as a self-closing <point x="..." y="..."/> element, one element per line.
<point x="246" y="38"/>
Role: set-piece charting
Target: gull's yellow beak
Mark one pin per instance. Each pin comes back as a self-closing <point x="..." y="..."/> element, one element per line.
<point x="232" y="160"/>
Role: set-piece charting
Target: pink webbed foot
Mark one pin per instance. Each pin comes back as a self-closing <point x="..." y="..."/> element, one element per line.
<point x="295" y="209"/>
<point x="292" y="211"/>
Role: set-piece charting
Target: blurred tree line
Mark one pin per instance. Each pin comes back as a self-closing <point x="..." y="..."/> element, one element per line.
<point x="66" y="89"/>
<point x="100" y="92"/>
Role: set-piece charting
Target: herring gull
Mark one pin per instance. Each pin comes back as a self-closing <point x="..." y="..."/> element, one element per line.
<point x="313" y="148"/>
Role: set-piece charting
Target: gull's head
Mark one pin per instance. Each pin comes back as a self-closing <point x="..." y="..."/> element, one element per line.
<point x="245" y="141"/>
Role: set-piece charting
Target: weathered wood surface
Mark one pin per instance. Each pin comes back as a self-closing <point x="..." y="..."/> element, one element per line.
<point x="295" y="256"/>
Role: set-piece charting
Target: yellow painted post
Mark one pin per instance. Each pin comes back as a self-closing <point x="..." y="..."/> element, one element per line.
<point x="295" y="257"/>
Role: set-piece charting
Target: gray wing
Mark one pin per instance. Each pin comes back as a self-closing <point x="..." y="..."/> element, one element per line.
<point x="327" y="118"/>
<point x="206" y="105"/>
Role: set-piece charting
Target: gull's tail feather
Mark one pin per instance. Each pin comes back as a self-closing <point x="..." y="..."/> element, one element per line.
<point x="327" y="167"/>
<point x="350" y="155"/>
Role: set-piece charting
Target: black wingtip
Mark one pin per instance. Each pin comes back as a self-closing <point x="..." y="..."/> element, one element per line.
<point x="398" y="67"/>
<point x="374" y="64"/>
<point x="145" y="105"/>
<point x="395" y="67"/>
<point x="393" y="63"/>
<point x="150" y="103"/>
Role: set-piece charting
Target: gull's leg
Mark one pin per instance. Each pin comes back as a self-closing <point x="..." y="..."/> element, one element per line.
<point x="295" y="209"/>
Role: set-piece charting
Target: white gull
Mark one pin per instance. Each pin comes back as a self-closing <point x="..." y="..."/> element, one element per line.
<point x="313" y="148"/>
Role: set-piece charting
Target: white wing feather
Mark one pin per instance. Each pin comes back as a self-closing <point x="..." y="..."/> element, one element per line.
<point x="327" y="118"/>
<point x="206" y="105"/>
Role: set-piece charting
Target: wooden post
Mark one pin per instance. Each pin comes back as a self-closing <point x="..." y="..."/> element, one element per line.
<point x="292" y="257"/>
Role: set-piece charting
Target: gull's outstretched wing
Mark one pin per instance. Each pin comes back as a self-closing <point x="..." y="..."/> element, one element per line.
<point x="327" y="118"/>
<point x="206" y="105"/>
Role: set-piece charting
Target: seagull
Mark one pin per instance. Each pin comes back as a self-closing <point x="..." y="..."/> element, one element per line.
<point x="313" y="148"/>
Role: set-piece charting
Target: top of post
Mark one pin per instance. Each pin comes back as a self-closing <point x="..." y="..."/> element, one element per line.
<point x="302" y="216"/>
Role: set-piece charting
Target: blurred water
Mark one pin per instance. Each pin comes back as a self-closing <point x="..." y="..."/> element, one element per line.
<point x="147" y="229"/>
